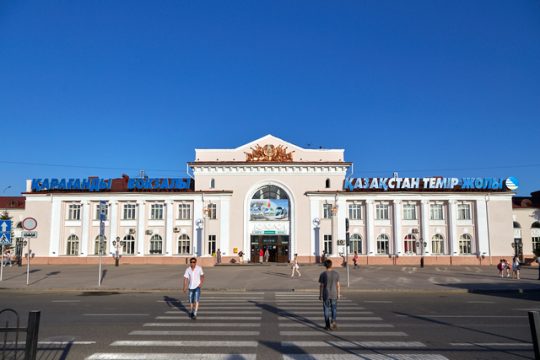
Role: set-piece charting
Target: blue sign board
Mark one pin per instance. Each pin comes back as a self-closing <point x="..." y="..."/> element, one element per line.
<point x="5" y="232"/>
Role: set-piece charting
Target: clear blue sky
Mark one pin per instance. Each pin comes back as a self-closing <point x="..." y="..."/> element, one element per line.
<point x="426" y="88"/>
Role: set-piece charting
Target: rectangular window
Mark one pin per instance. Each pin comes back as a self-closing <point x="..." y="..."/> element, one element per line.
<point x="535" y="243"/>
<point x="437" y="246"/>
<point x="184" y="245"/>
<point x="106" y="211"/>
<point x="355" y="212"/>
<point x="381" y="212"/>
<point x="464" y="212"/>
<point x="184" y="212"/>
<point x="211" y="245"/>
<point x="328" y="244"/>
<point x="211" y="211"/>
<point x="74" y="212"/>
<point x="327" y="211"/>
<point x="382" y="245"/>
<point x="409" y="212"/>
<point x="156" y="212"/>
<point x="129" y="212"/>
<point x="436" y="212"/>
<point x="465" y="247"/>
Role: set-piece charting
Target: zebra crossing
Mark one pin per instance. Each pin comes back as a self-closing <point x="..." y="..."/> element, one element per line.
<point x="264" y="325"/>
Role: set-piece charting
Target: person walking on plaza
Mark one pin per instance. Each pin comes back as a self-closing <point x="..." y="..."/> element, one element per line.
<point x="295" y="266"/>
<point x="329" y="294"/>
<point x="355" y="259"/>
<point x="266" y="255"/>
<point x="515" y="268"/>
<point x="261" y="255"/>
<point x="193" y="280"/>
<point x="241" y="257"/>
<point x="501" y="266"/>
<point x="6" y="258"/>
<point x="538" y="262"/>
<point x="218" y="256"/>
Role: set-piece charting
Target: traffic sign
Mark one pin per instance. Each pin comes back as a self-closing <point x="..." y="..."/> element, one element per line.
<point x="29" y="223"/>
<point x="5" y="232"/>
<point x="29" y="234"/>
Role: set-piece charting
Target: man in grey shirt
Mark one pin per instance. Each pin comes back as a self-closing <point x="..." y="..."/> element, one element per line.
<point x="329" y="293"/>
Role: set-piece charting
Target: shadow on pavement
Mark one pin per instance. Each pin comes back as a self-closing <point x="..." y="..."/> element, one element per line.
<point x="49" y="274"/>
<point x="175" y="303"/>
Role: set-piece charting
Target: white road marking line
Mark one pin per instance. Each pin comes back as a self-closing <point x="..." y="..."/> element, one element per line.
<point x="480" y="302"/>
<point x="65" y="301"/>
<point x="320" y="332"/>
<point x="378" y="301"/>
<point x="355" y="344"/>
<point x="366" y="318"/>
<point x="78" y="342"/>
<point x="181" y="343"/>
<point x="194" y="332"/>
<point x="341" y="325"/>
<point x="221" y="311"/>
<point x="204" y="317"/>
<point x="530" y="309"/>
<point x="174" y="356"/>
<point x="299" y="313"/>
<point x="463" y="316"/>
<point x="358" y="356"/>
<point x="492" y="344"/>
<point x="116" y="314"/>
<point x="195" y="324"/>
<point x="299" y="301"/>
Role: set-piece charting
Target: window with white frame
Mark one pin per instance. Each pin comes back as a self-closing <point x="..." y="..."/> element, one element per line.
<point x="129" y="245"/>
<point x="156" y="244"/>
<point x="409" y="244"/>
<point x="355" y="212"/>
<point x="436" y="212"/>
<point x="72" y="246"/>
<point x="211" y="245"/>
<point x="129" y="211"/>
<point x="464" y="211"/>
<point x="327" y="211"/>
<point x="211" y="211"/>
<point x="184" y="211"/>
<point x="535" y="243"/>
<point x="535" y="236"/>
<point x="381" y="212"/>
<point x="409" y="212"/>
<point x="465" y="244"/>
<point x="100" y="245"/>
<point x="184" y="245"/>
<point x="327" y="245"/>
<point x="74" y="212"/>
<point x="383" y="244"/>
<point x="437" y="244"/>
<point x="156" y="212"/>
<point x="355" y="244"/>
<point x="106" y="211"/>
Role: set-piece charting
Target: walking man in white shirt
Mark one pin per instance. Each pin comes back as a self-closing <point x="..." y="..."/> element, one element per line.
<point x="193" y="280"/>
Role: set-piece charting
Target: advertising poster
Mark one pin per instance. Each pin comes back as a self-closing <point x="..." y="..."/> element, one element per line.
<point x="269" y="209"/>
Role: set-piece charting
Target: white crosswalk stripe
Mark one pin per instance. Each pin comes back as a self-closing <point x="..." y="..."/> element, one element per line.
<point x="231" y="327"/>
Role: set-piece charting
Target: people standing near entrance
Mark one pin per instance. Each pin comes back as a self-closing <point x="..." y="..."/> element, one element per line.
<point x="515" y="268"/>
<point x="261" y="255"/>
<point x="218" y="256"/>
<point x="266" y="255"/>
<point x="329" y="294"/>
<point x="193" y="280"/>
<point x="295" y="266"/>
<point x="538" y="262"/>
<point x="355" y="259"/>
<point x="241" y="256"/>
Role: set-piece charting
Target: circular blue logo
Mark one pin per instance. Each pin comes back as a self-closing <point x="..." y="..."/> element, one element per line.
<point x="512" y="183"/>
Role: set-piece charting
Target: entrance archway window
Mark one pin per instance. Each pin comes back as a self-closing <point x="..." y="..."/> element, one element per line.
<point x="129" y="245"/>
<point x="465" y="244"/>
<point x="270" y="192"/>
<point x="103" y="245"/>
<point x="437" y="244"/>
<point x="72" y="245"/>
<point x="156" y="244"/>
<point x="184" y="245"/>
<point x="355" y="244"/>
<point x="409" y="244"/>
<point x="382" y="244"/>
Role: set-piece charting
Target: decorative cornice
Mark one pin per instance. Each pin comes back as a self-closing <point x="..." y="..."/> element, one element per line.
<point x="270" y="168"/>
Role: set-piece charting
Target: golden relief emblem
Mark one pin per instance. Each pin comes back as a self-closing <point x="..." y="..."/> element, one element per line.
<point x="269" y="153"/>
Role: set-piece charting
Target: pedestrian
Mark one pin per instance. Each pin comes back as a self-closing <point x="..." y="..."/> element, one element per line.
<point x="295" y="266"/>
<point x="538" y="262"/>
<point x="266" y="255"/>
<point x="500" y="267"/>
<point x="329" y="294"/>
<point x="6" y="258"/>
<point x="515" y="268"/>
<point x="323" y="257"/>
<point x="355" y="259"/>
<point x="218" y="256"/>
<point x="241" y="257"/>
<point x="506" y="268"/>
<point x="261" y="255"/>
<point x="193" y="280"/>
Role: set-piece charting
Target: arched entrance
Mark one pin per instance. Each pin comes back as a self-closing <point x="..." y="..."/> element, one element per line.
<point x="269" y="225"/>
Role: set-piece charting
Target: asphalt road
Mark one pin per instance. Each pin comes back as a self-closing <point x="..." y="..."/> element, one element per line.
<point x="276" y="325"/>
